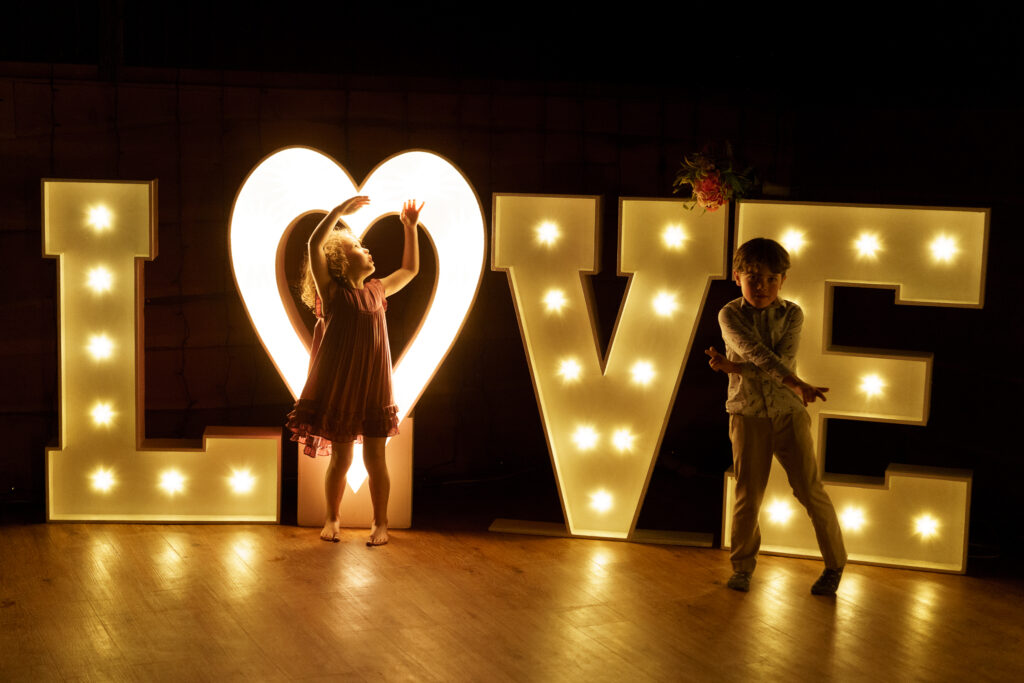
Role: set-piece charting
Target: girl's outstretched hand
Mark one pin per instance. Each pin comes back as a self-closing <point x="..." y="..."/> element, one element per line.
<point x="411" y="213"/>
<point x="353" y="204"/>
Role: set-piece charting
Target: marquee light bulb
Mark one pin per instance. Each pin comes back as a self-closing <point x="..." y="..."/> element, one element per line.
<point x="100" y="347"/>
<point x="601" y="501"/>
<point x="674" y="236"/>
<point x="585" y="437"/>
<point x="102" y="480"/>
<point x="665" y="304"/>
<point x="623" y="440"/>
<point x="793" y="241"/>
<point x="102" y="414"/>
<point x="99" y="280"/>
<point x="242" y="481"/>
<point x="642" y="372"/>
<point x="926" y="526"/>
<point x="100" y="218"/>
<point x="867" y="245"/>
<point x="852" y="518"/>
<point x="779" y="512"/>
<point x="172" y="482"/>
<point x="570" y="369"/>
<point x="548" y="233"/>
<point x="943" y="248"/>
<point x="554" y="300"/>
<point x="872" y="385"/>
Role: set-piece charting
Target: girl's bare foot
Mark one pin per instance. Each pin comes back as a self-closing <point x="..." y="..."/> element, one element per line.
<point x="378" y="535"/>
<point x="330" y="531"/>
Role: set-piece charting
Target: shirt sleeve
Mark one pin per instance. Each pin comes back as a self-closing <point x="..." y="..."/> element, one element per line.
<point x="743" y="338"/>
<point x="789" y="342"/>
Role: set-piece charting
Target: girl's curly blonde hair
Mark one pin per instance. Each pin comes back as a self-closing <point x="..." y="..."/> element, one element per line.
<point x="337" y="265"/>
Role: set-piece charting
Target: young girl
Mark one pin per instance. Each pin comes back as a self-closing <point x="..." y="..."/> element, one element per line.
<point x="347" y="397"/>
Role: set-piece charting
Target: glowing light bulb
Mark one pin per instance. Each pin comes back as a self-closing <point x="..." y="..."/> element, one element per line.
<point x="585" y="437"/>
<point x="570" y="370"/>
<point x="852" y="518"/>
<point x="102" y="414"/>
<point x="793" y="241"/>
<point x="99" y="218"/>
<point x="102" y="480"/>
<point x="99" y="280"/>
<point x="642" y="372"/>
<point x="242" y="481"/>
<point x="926" y="526"/>
<point x="665" y="304"/>
<point x="623" y="440"/>
<point x="780" y="511"/>
<point x="673" y="236"/>
<point x="554" y="300"/>
<point x="601" y="501"/>
<point x="172" y="482"/>
<point x="100" y="346"/>
<point x="872" y="385"/>
<point x="943" y="248"/>
<point x="548" y="233"/>
<point x="867" y="245"/>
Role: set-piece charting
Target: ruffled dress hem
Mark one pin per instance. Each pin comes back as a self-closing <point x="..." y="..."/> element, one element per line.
<point x="315" y="431"/>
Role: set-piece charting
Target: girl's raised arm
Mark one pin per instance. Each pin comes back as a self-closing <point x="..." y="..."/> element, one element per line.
<point x="315" y="245"/>
<point x="410" y="253"/>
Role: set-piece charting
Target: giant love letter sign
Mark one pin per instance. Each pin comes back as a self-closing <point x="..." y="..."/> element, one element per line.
<point x="915" y="517"/>
<point x="296" y="181"/>
<point x="605" y="417"/>
<point x="604" y="420"/>
<point x="100" y="233"/>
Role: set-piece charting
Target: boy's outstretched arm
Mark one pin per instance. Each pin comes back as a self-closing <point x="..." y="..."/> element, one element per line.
<point x="778" y="363"/>
<point x="719" y="362"/>
<point x="744" y="340"/>
<point x="808" y="393"/>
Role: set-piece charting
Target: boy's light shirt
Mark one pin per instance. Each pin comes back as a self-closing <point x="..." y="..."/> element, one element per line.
<point x="764" y="341"/>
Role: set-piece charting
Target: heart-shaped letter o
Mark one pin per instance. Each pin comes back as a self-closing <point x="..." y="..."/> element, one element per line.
<point x="297" y="180"/>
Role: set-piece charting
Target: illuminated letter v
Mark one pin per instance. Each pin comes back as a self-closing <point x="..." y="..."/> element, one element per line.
<point x="604" y="420"/>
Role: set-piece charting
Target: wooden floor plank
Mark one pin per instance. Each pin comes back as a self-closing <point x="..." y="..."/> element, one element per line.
<point x="221" y="603"/>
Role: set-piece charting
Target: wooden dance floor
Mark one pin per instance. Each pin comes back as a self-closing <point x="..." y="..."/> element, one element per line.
<point x="273" y="603"/>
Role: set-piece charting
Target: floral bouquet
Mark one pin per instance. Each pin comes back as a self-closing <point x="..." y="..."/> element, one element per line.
<point x="712" y="180"/>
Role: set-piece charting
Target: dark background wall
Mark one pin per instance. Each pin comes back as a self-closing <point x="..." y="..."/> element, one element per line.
<point x="913" y="113"/>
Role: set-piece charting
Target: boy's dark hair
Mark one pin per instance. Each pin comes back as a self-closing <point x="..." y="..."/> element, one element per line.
<point x="761" y="252"/>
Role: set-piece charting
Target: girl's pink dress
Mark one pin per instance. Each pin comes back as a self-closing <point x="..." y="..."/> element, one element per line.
<point x="348" y="392"/>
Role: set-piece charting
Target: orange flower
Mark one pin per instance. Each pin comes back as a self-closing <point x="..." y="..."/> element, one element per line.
<point x="709" y="192"/>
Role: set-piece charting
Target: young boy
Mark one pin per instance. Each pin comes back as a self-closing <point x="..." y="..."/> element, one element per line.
<point x="767" y="414"/>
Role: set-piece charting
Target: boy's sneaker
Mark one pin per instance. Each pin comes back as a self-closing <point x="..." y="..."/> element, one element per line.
<point x="828" y="582"/>
<point x="739" y="581"/>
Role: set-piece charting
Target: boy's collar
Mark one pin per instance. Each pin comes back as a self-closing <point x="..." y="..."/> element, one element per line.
<point x="779" y="301"/>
